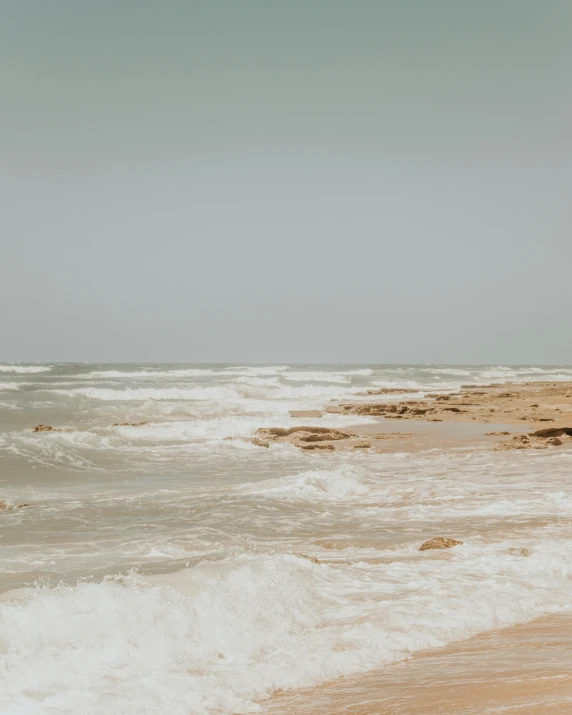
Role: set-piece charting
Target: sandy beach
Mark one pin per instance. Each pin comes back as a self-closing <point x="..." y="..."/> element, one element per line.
<point x="522" y="670"/>
<point x="535" y="415"/>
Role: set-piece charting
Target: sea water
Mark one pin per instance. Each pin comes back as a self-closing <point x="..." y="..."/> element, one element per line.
<point x="167" y="568"/>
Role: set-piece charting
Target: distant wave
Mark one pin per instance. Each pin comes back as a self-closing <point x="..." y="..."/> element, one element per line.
<point x="25" y="368"/>
<point x="220" y="392"/>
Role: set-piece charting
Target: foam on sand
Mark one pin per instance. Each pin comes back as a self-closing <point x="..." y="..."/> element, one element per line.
<point x="217" y="637"/>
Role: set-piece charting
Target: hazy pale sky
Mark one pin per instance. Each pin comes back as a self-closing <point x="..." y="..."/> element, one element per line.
<point x="292" y="180"/>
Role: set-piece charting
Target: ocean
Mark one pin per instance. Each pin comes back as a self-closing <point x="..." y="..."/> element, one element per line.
<point x="165" y="565"/>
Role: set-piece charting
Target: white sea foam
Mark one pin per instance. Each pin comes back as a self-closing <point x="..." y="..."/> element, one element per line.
<point x="129" y="374"/>
<point x="341" y="483"/>
<point x="230" y="391"/>
<point x="246" y="371"/>
<point x="300" y="376"/>
<point x="365" y="371"/>
<point x="223" y="427"/>
<point x="449" y="371"/>
<point x="255" y="371"/>
<point x="9" y="386"/>
<point x="217" y="637"/>
<point x="25" y="368"/>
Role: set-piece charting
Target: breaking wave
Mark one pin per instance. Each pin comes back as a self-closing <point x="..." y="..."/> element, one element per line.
<point x="220" y="636"/>
<point x="22" y="369"/>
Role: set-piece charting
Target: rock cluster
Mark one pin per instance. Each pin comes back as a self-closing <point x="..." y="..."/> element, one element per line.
<point x="43" y="428"/>
<point x="408" y="409"/>
<point x="540" y="439"/>
<point x="131" y="424"/>
<point x="49" y="428"/>
<point x="306" y="438"/>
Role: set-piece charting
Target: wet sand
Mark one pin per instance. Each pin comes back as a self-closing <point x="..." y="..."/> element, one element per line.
<point x="525" y="669"/>
<point x="533" y="415"/>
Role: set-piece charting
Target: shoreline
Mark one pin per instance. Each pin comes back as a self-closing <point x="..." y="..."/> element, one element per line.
<point x="528" y="415"/>
<point x="519" y="669"/>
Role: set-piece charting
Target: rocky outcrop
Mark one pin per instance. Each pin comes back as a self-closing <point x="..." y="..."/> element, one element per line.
<point x="439" y="542"/>
<point x="540" y="439"/>
<point x="308" y="439"/>
<point x="306" y="434"/>
<point x="49" y="428"/>
<point x="534" y="402"/>
<point x="553" y="432"/>
<point x="4" y="506"/>
<point x="389" y="410"/>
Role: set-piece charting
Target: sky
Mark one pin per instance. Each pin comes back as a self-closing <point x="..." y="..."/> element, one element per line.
<point x="358" y="181"/>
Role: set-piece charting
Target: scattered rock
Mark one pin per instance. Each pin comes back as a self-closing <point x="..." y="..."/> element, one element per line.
<point x="313" y="559"/>
<point x="497" y="434"/>
<point x="307" y="434"/>
<point x="313" y="446"/>
<point x="130" y="424"/>
<point x="518" y="551"/>
<point x="541" y="439"/>
<point x="4" y="506"/>
<point x="440" y="542"/>
<point x="553" y="432"/>
<point x="49" y="428"/>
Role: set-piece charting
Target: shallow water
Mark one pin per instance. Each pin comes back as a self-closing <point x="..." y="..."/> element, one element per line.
<point x="166" y="568"/>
